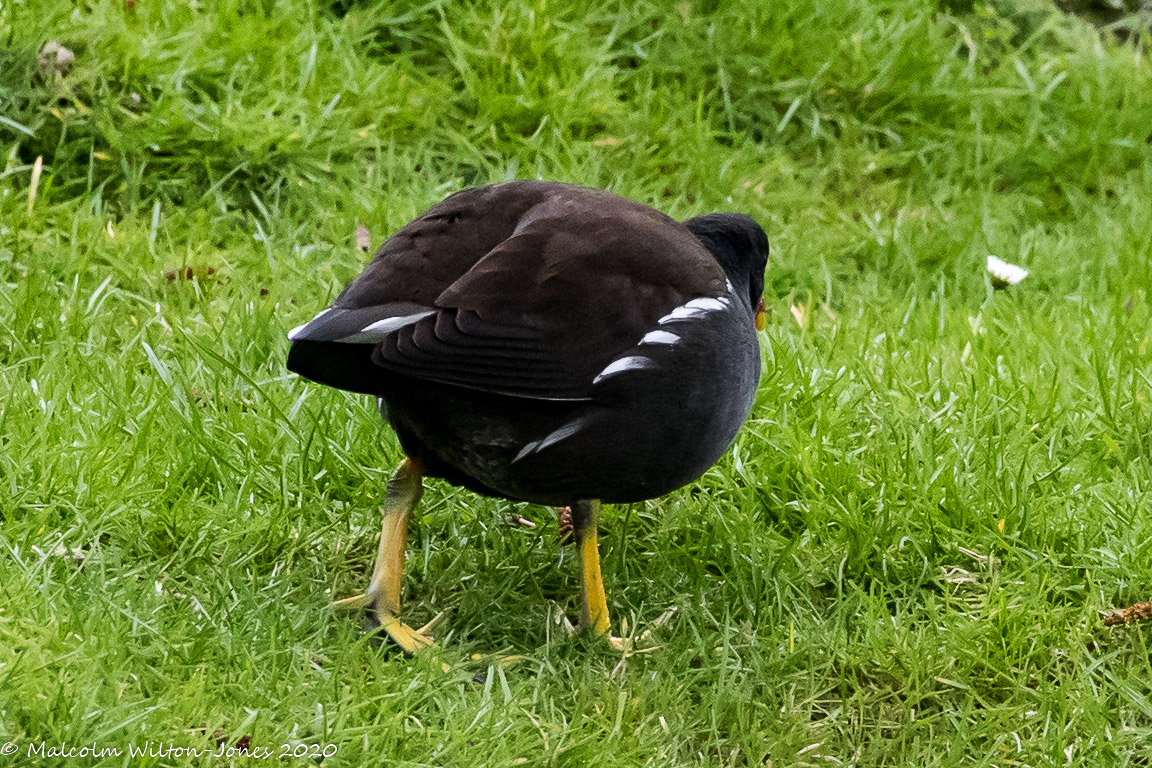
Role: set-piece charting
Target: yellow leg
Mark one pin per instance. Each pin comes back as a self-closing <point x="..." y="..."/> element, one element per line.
<point x="383" y="593"/>
<point x="593" y="603"/>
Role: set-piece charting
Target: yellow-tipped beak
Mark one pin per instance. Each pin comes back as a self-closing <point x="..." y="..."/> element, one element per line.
<point x="761" y="310"/>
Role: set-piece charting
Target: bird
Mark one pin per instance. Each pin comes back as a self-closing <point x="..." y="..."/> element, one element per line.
<point x="545" y="342"/>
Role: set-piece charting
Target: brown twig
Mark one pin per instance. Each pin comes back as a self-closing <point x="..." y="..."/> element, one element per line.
<point x="1129" y="615"/>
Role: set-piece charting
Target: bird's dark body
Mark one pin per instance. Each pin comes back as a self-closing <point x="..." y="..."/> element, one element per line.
<point x="537" y="352"/>
<point x="622" y="455"/>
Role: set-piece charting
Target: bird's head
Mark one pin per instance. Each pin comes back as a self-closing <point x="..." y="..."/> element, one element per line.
<point x="740" y="246"/>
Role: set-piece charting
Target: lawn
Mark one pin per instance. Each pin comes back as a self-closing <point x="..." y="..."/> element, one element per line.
<point x="905" y="558"/>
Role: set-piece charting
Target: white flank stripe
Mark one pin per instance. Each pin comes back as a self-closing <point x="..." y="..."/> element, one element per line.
<point x="706" y="304"/>
<point x="681" y="313"/>
<point x="556" y="436"/>
<point x="630" y="363"/>
<point x="527" y="449"/>
<point x="660" y="337"/>
<point x="693" y="308"/>
<point x="552" y="438"/>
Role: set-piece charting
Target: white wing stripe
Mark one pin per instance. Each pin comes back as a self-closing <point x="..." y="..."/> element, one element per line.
<point x="630" y="363"/>
<point x="377" y="331"/>
<point x="292" y="334"/>
<point x="389" y="324"/>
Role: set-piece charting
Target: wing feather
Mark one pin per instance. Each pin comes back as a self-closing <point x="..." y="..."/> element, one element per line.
<point x="523" y="289"/>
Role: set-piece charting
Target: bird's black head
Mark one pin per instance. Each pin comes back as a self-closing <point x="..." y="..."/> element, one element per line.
<point x="739" y="245"/>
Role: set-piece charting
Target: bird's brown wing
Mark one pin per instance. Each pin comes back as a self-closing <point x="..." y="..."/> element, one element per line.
<point x="567" y="280"/>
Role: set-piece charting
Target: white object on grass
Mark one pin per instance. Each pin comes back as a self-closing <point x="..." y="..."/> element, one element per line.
<point x="1003" y="273"/>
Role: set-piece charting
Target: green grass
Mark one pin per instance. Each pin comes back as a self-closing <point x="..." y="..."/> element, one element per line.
<point x="904" y="558"/>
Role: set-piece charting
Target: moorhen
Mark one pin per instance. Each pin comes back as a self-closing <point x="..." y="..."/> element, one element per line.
<point x="549" y="343"/>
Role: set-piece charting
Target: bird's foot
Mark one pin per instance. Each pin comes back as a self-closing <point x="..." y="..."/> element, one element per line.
<point x="411" y="640"/>
<point x="628" y="644"/>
